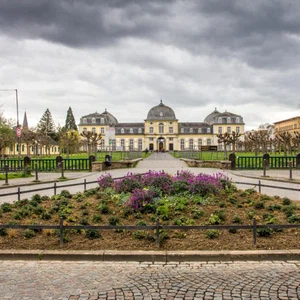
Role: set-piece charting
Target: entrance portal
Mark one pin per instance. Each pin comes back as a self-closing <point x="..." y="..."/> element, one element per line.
<point x="161" y="144"/>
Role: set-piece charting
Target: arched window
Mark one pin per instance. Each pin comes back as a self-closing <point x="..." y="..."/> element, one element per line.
<point x="140" y="130"/>
<point x="237" y="120"/>
<point x="199" y="130"/>
<point x="182" y="144"/>
<point x="102" y="144"/>
<point x="140" y="144"/>
<point x="113" y="144"/>
<point x="131" y="130"/>
<point x="219" y="120"/>
<point x="85" y="130"/>
<point x="208" y="130"/>
<point x="161" y="128"/>
<point x="191" y="130"/>
<point x="199" y="144"/>
<point x="122" y="144"/>
<point x="93" y="120"/>
<point x="122" y="130"/>
<point x="208" y="142"/>
<point x="93" y="130"/>
<point x="191" y="144"/>
<point x="131" y="144"/>
<point x="84" y="120"/>
<point x="102" y="120"/>
<point x="182" y="130"/>
<point x="228" y="120"/>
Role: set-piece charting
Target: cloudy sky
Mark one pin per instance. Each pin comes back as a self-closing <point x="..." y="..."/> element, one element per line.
<point x="125" y="55"/>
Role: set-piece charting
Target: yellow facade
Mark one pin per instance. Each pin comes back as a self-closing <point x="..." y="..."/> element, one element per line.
<point x="290" y="125"/>
<point x="161" y="130"/>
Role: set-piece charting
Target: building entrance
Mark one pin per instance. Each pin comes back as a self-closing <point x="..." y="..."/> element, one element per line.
<point x="161" y="144"/>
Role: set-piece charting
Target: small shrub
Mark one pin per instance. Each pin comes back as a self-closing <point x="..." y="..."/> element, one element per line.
<point x="222" y="204"/>
<point x="6" y="207"/>
<point x="85" y="213"/>
<point x="141" y="223"/>
<point x="84" y="221"/>
<point x="92" y="234"/>
<point x="274" y="207"/>
<point x="139" y="234"/>
<point x="103" y="208"/>
<point x="126" y="212"/>
<point x="265" y="197"/>
<point x="264" y="232"/>
<point x="289" y="210"/>
<point x="214" y="219"/>
<point x="140" y="199"/>
<point x="197" y="214"/>
<point x="251" y="214"/>
<point x="259" y="205"/>
<point x="3" y="231"/>
<point x="180" y="221"/>
<point x="293" y="218"/>
<point x="97" y="218"/>
<point x="105" y="181"/>
<point x="286" y="201"/>
<point x="212" y="234"/>
<point x="37" y="198"/>
<point x="232" y="230"/>
<point x="28" y="233"/>
<point x="237" y="219"/>
<point x="113" y="221"/>
<point x="232" y="200"/>
<point x="66" y="194"/>
<point x="90" y="192"/>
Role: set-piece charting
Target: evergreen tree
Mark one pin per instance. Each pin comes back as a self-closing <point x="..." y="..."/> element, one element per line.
<point x="46" y="125"/>
<point x="70" y="121"/>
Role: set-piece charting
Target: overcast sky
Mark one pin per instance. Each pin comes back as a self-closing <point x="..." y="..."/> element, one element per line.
<point x="125" y="55"/>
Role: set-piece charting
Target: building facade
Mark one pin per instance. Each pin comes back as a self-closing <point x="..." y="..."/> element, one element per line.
<point x="289" y="125"/>
<point x="161" y="130"/>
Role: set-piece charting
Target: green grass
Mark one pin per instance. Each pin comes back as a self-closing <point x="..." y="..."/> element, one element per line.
<point x="15" y="175"/>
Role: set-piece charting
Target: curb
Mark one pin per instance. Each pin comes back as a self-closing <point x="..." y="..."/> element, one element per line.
<point x="150" y="256"/>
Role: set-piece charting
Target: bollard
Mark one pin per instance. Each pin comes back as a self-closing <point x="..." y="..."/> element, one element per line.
<point x="265" y="167"/>
<point x="254" y="231"/>
<point x="6" y="174"/>
<point x="62" y="169"/>
<point x="291" y="168"/>
<point x="36" y="172"/>
<point x="157" y="232"/>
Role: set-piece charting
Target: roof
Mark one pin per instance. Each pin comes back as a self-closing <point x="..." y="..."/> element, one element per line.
<point x="161" y="112"/>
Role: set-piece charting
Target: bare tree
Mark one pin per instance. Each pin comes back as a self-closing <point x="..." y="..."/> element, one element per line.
<point x="91" y="140"/>
<point x="286" y="139"/>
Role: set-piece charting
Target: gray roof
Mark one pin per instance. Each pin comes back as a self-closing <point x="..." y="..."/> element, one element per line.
<point x="212" y="118"/>
<point x="161" y="112"/>
<point x="109" y="119"/>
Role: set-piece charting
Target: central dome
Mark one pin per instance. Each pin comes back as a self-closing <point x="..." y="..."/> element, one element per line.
<point x="161" y="112"/>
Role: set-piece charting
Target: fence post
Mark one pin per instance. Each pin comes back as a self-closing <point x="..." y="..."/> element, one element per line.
<point x="254" y="231"/>
<point x="19" y="193"/>
<point x="232" y="158"/>
<point x="291" y="168"/>
<point x="298" y="161"/>
<point x="84" y="184"/>
<point x="36" y="172"/>
<point x="259" y="186"/>
<point x="61" y="232"/>
<point x="54" y="187"/>
<point x="264" y="167"/>
<point x="62" y="168"/>
<point x="157" y="232"/>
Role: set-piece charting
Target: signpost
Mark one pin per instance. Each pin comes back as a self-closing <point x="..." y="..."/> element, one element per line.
<point x="19" y="132"/>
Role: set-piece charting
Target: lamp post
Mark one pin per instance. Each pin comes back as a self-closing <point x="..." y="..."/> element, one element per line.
<point x="18" y="129"/>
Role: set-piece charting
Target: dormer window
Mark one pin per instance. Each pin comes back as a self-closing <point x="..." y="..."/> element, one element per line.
<point x="161" y="114"/>
<point x="131" y="130"/>
<point x="199" y="130"/>
<point x="140" y="130"/>
<point x="228" y="120"/>
<point x="84" y="120"/>
<point x="93" y="120"/>
<point x="219" y="120"/>
<point x="191" y="130"/>
<point x="208" y="130"/>
<point x="122" y="130"/>
<point x="182" y="130"/>
<point x="237" y="120"/>
<point x="102" y="120"/>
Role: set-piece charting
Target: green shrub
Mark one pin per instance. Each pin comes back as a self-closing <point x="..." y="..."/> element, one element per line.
<point x="293" y="218"/>
<point x="212" y="234"/>
<point x="3" y="231"/>
<point x="84" y="221"/>
<point x="214" y="219"/>
<point x="113" y="221"/>
<point x="6" y="207"/>
<point x="251" y="214"/>
<point x="232" y="230"/>
<point x="139" y="234"/>
<point x="265" y="197"/>
<point x="97" y="218"/>
<point x="197" y="214"/>
<point x="222" y="204"/>
<point x="237" y="219"/>
<point x="286" y="201"/>
<point x="264" y="232"/>
<point x="92" y="234"/>
<point x="141" y="223"/>
<point x="274" y="207"/>
<point x="289" y="210"/>
<point x="28" y="233"/>
<point x="259" y="205"/>
<point x="37" y="198"/>
<point x="103" y="208"/>
<point x="65" y="194"/>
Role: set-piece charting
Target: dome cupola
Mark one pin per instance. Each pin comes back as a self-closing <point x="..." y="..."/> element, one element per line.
<point x="161" y="112"/>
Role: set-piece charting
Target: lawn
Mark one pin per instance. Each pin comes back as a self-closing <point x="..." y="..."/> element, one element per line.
<point x="183" y="199"/>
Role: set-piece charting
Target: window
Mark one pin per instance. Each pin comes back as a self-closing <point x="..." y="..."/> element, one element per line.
<point x="237" y="120"/>
<point x="191" y="130"/>
<point x="182" y="130"/>
<point x="131" y="144"/>
<point x="229" y="129"/>
<point x="84" y="120"/>
<point x="93" y="120"/>
<point x="102" y="144"/>
<point x="140" y="144"/>
<point x="102" y="120"/>
<point x="220" y="130"/>
<point x="199" y="130"/>
<point x="93" y="130"/>
<point x="228" y="120"/>
<point x="102" y="130"/>
<point x="237" y="129"/>
<point x="199" y="144"/>
<point x="191" y="144"/>
<point x="208" y="130"/>
<point x="208" y="142"/>
<point x="219" y="120"/>
<point x="171" y="130"/>
<point x="122" y="130"/>
<point x="23" y="148"/>
<point x="151" y="130"/>
<point x="113" y="144"/>
<point x="122" y="143"/>
<point x="131" y="130"/>
<point x="140" y="130"/>
<point x="182" y="144"/>
<point x="85" y="130"/>
<point x="161" y="128"/>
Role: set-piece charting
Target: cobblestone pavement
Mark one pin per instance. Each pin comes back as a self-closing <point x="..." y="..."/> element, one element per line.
<point x="132" y="280"/>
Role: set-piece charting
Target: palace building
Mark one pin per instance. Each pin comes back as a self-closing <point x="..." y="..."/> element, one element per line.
<point x="161" y="130"/>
